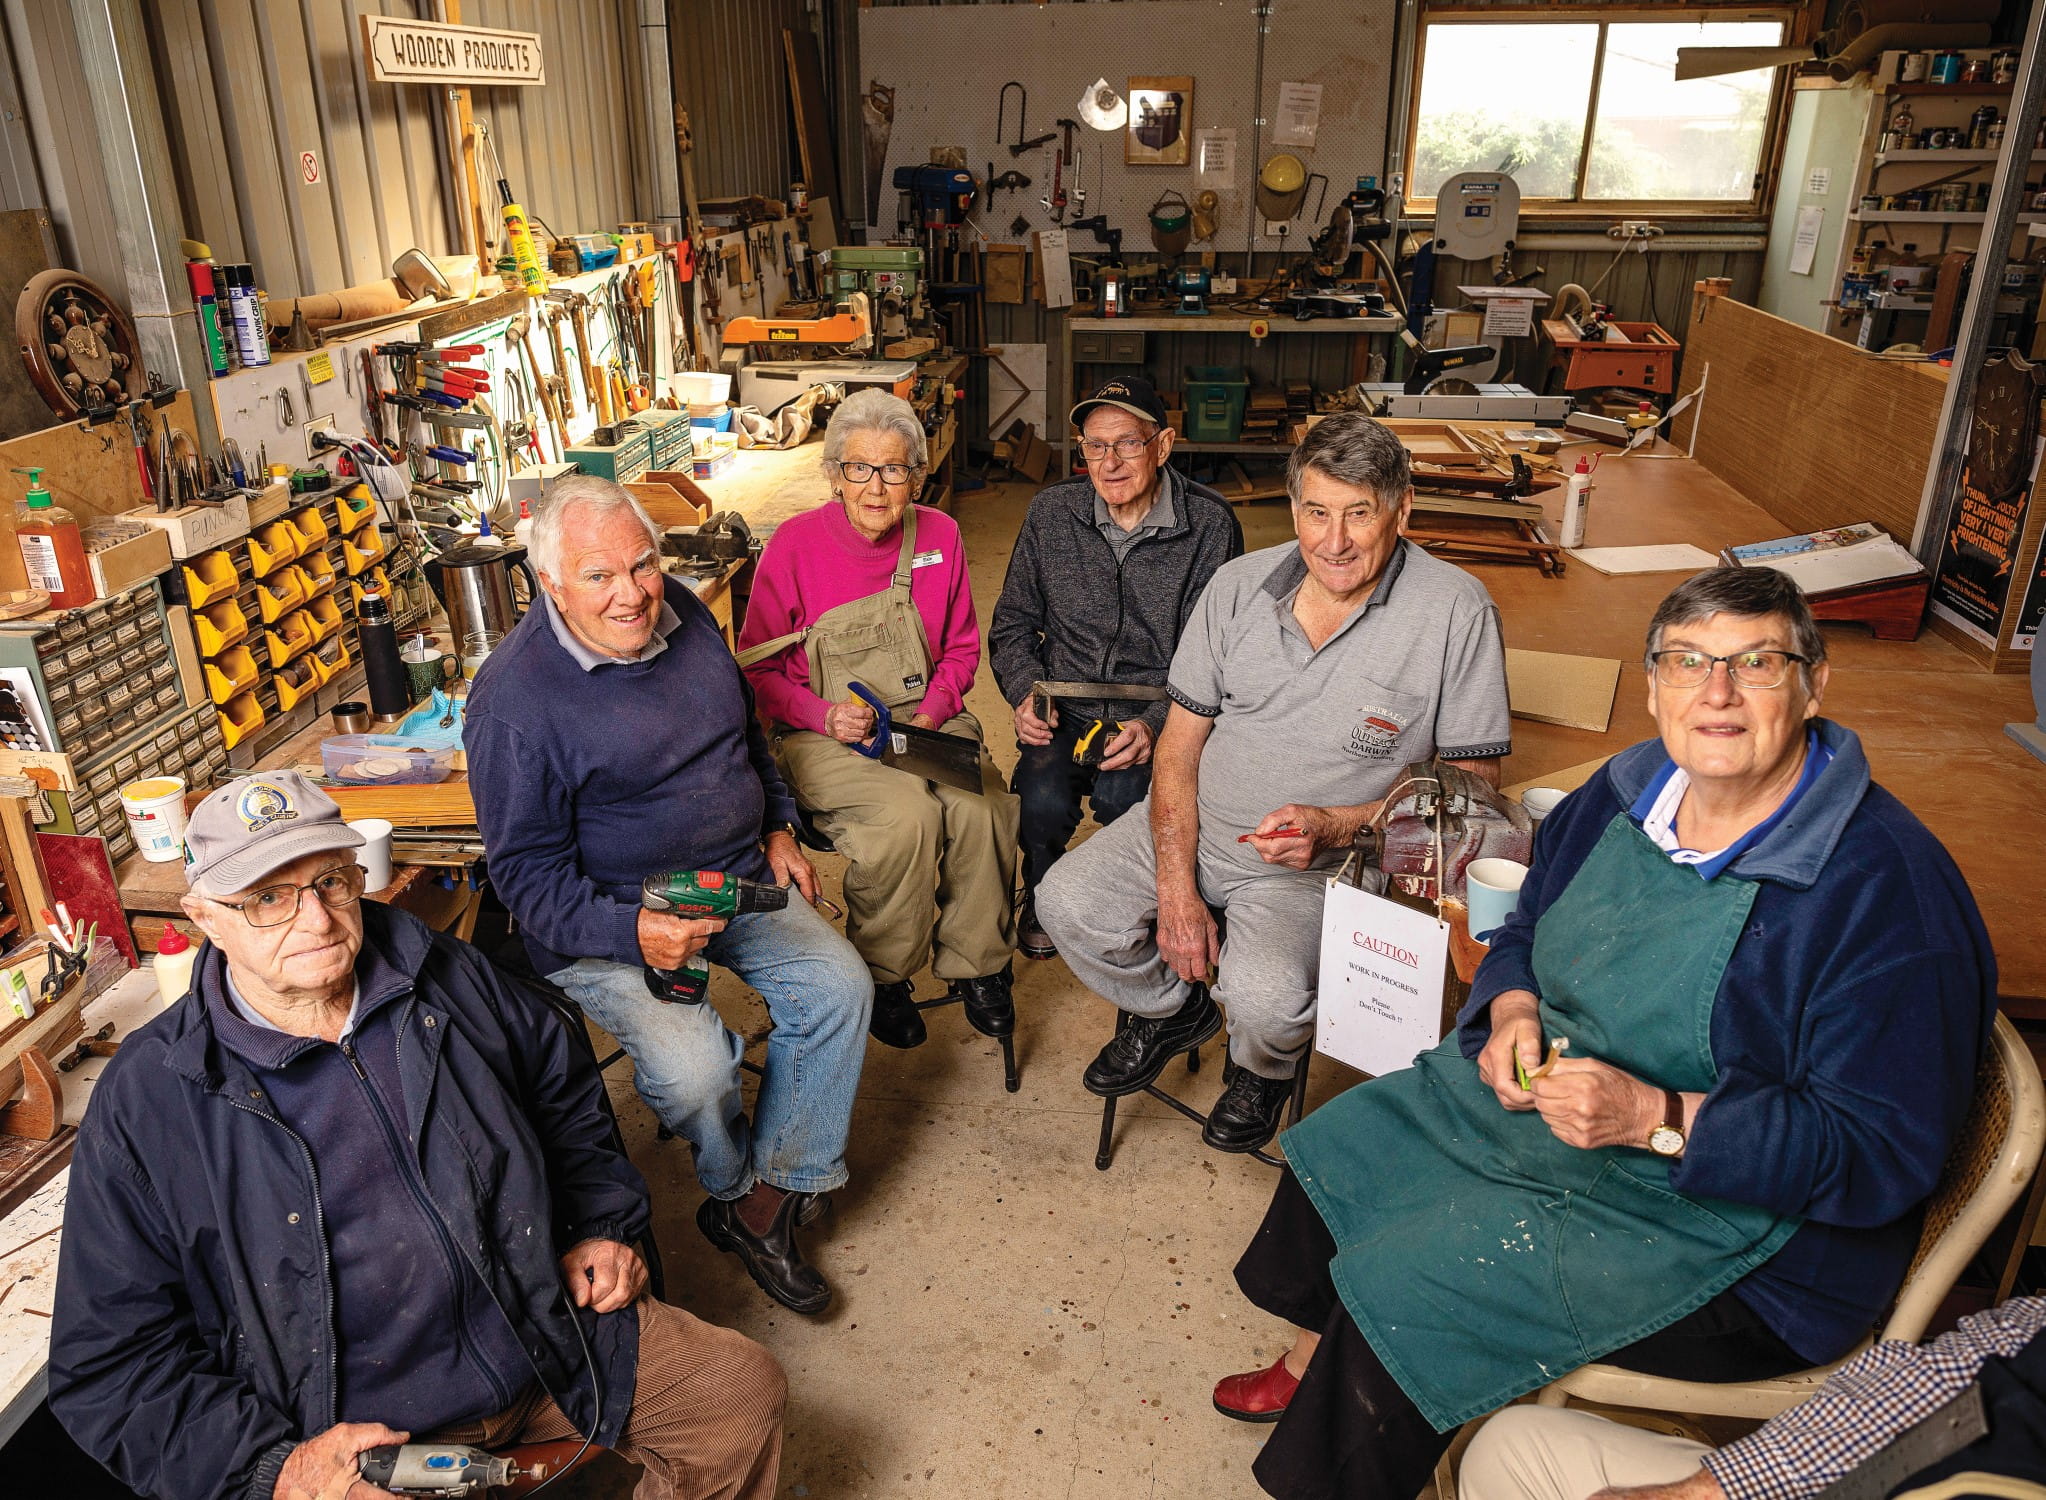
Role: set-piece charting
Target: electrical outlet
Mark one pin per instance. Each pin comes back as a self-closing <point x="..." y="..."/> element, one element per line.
<point x="1395" y="184"/>
<point x="1276" y="229"/>
<point x="317" y="424"/>
<point x="1633" y="229"/>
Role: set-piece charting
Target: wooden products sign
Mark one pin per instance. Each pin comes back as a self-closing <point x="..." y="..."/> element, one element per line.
<point x="402" y="51"/>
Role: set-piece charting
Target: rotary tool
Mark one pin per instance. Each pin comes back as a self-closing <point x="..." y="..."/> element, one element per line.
<point x="695" y="895"/>
<point x="447" y="1469"/>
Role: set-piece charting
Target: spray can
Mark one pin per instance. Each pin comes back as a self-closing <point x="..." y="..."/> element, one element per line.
<point x="251" y="338"/>
<point x="200" y="273"/>
<point x="532" y="275"/>
<point x="1576" y="496"/>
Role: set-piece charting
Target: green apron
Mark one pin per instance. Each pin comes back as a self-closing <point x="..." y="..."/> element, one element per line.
<point x="1479" y="1255"/>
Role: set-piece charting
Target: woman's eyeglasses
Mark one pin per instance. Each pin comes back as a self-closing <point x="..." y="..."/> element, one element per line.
<point x="860" y="473"/>
<point x="1749" y="669"/>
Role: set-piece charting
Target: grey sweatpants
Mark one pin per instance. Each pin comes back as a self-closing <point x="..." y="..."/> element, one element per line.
<point x="1099" y="904"/>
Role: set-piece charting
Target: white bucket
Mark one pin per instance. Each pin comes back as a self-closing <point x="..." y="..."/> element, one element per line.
<point x="706" y="387"/>
<point x="156" y="816"/>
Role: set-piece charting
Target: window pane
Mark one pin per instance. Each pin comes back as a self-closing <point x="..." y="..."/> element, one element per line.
<point x="1657" y="138"/>
<point x="1479" y="112"/>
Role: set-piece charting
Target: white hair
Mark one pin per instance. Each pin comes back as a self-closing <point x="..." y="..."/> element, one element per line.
<point x="873" y="410"/>
<point x="580" y="492"/>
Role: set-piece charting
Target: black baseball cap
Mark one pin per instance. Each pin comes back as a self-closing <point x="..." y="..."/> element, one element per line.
<point x="1130" y="393"/>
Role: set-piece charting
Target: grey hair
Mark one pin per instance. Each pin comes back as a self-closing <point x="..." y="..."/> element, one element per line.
<point x="580" y="492"/>
<point x="1751" y="593"/>
<point x="1351" y="448"/>
<point x="874" y="410"/>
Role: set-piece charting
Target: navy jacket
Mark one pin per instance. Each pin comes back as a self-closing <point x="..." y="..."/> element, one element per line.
<point x="195" y="1343"/>
<point x="589" y="781"/>
<point x="1847" y="1030"/>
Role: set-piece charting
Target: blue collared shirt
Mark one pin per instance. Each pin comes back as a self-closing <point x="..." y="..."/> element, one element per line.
<point x="1655" y="810"/>
<point x="665" y="624"/>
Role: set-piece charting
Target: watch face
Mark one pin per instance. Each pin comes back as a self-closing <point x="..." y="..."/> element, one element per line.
<point x="1666" y="1140"/>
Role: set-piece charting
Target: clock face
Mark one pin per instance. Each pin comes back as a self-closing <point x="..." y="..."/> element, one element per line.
<point x="1666" y="1141"/>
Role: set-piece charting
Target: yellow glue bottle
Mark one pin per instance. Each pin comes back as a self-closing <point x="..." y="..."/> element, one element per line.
<point x="532" y="275"/>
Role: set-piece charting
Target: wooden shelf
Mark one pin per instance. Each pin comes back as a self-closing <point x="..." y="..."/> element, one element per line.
<point x="1968" y="89"/>
<point x="1901" y="216"/>
<point x="1885" y="158"/>
<point x="1187" y="445"/>
<point x="1222" y="322"/>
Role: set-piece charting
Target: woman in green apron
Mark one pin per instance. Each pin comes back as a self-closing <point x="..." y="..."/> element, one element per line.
<point x="1774" y="987"/>
<point x="873" y="590"/>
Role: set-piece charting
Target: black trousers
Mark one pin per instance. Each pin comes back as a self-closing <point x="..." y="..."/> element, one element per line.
<point x="1351" y="1433"/>
<point x="1050" y="787"/>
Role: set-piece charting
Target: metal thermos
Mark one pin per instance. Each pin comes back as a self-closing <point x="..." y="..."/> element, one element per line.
<point x="473" y="583"/>
<point x="389" y="695"/>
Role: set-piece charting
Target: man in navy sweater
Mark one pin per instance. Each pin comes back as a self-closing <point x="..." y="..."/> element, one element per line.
<point x="610" y="737"/>
<point x="358" y="1184"/>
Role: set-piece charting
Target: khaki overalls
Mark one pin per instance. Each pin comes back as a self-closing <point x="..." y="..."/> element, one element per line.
<point x="927" y="866"/>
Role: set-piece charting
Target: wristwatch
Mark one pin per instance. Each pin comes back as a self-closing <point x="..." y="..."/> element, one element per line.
<point x="1667" y="1139"/>
<point x="788" y="828"/>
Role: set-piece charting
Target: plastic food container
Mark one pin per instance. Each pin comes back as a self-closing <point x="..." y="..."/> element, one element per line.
<point x="384" y="760"/>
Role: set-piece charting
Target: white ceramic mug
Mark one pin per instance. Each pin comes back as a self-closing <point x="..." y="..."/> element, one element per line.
<point x="1540" y="801"/>
<point x="1492" y="890"/>
<point x="375" y="854"/>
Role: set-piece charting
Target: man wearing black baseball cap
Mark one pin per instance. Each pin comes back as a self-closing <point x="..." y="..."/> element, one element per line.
<point x="1105" y="573"/>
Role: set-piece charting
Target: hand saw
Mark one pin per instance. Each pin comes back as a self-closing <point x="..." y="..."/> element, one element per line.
<point x="930" y="754"/>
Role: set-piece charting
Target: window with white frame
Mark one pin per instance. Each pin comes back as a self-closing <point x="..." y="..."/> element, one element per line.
<point x="1583" y="109"/>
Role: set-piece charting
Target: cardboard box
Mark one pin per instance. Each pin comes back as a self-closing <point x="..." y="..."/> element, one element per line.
<point x="126" y="564"/>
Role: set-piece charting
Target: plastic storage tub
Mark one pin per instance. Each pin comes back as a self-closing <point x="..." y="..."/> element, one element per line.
<point x="1215" y="397"/>
<point x="384" y="760"/>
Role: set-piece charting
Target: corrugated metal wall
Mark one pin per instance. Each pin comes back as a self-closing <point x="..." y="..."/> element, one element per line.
<point x="732" y="77"/>
<point x="62" y="140"/>
<point x="249" y="85"/>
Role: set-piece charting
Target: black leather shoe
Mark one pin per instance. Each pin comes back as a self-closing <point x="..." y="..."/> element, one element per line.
<point x="1032" y="941"/>
<point x="1247" y="1114"/>
<point x="813" y="1207"/>
<point x="773" y="1260"/>
<point x="895" y="1021"/>
<point x="990" y="1007"/>
<point x="1138" y="1053"/>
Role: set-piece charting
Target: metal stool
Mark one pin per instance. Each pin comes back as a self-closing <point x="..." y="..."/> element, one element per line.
<point x="809" y="834"/>
<point x="1296" y="1105"/>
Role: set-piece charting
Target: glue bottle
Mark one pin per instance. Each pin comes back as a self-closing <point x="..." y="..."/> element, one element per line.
<point x="522" y="530"/>
<point x="1576" y="496"/>
<point x="172" y="966"/>
<point x="531" y="274"/>
<point x="52" y="550"/>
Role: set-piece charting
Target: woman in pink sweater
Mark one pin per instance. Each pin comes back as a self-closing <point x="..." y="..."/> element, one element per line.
<point x="868" y="588"/>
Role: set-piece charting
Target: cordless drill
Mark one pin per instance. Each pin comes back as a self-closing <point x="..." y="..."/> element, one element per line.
<point x="447" y="1469"/>
<point x="694" y="895"/>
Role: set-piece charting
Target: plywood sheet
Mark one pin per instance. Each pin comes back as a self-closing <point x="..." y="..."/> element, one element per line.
<point x="1813" y="430"/>
<point x="1551" y="688"/>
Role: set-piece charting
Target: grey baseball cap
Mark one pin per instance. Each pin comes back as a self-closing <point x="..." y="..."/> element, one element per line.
<point x="255" y="824"/>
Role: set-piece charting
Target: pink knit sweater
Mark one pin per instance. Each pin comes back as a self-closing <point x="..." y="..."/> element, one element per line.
<point x="815" y="562"/>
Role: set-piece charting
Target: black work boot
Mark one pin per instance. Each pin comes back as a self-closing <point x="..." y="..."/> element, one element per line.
<point x="1138" y="1053"/>
<point x="990" y="1006"/>
<point x="1247" y="1114"/>
<point x="774" y="1260"/>
<point x="895" y="1021"/>
<point x="1032" y="941"/>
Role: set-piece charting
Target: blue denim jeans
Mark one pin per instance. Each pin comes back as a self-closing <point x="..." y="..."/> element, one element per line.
<point x="685" y="1061"/>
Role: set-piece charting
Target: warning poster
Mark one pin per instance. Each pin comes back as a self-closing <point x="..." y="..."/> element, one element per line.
<point x="2032" y="611"/>
<point x="1978" y="557"/>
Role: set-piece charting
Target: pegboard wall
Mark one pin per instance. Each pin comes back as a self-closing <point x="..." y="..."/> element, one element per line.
<point x="947" y="65"/>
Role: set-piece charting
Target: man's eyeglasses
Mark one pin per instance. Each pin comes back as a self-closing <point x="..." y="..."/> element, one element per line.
<point x="1127" y="447"/>
<point x="1749" y="669"/>
<point x="274" y="905"/>
<point x="860" y="473"/>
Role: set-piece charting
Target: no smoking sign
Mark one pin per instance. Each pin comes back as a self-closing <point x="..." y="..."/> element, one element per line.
<point x="308" y="166"/>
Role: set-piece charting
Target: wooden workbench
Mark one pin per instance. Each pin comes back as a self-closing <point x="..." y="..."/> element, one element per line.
<point x="1931" y="720"/>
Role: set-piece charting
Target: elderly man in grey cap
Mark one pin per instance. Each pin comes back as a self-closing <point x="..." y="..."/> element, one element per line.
<point x="357" y="1184"/>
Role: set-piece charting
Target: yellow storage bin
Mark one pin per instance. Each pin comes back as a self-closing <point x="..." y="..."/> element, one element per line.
<point x="319" y="572"/>
<point x="359" y="557"/>
<point x="297" y="682"/>
<point x="311" y="527"/>
<point x="279" y="596"/>
<point x="271" y="547"/>
<point x="290" y="637"/>
<point x="234" y="671"/>
<point x="208" y="577"/>
<point x="330" y="659"/>
<point x="323" y="615"/>
<point x="239" y="717"/>
<point x="378" y="579"/>
<point x="353" y="508"/>
<point x="219" y="626"/>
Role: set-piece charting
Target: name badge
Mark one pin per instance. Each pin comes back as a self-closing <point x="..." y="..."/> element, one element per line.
<point x="926" y="559"/>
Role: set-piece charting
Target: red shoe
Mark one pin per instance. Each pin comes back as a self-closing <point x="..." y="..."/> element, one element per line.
<point x="1256" y="1395"/>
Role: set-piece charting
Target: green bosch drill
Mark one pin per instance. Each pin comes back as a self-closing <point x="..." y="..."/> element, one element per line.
<point x="694" y="895"/>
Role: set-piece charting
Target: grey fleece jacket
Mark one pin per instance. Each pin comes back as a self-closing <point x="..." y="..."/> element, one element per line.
<point x="1070" y="612"/>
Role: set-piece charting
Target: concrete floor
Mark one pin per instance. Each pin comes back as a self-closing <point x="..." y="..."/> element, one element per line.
<point x="1010" y="1322"/>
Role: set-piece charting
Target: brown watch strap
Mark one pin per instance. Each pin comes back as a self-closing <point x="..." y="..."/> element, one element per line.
<point x="1673" y="1110"/>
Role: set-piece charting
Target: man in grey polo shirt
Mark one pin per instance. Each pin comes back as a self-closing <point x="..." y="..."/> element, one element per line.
<point x="1314" y="673"/>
